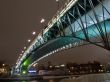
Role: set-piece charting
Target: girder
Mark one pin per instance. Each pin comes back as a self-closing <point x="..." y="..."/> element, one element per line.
<point x="83" y="21"/>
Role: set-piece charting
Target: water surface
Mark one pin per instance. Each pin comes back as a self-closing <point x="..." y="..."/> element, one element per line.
<point x="51" y="80"/>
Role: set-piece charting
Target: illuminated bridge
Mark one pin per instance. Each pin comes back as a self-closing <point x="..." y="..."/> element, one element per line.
<point x="79" y="22"/>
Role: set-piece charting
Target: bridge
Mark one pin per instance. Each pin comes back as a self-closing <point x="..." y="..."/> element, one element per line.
<point x="78" y="23"/>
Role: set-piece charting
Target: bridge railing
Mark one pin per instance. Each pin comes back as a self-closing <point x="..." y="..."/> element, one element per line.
<point x="60" y="13"/>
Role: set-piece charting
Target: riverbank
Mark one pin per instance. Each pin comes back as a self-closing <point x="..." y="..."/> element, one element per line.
<point x="104" y="77"/>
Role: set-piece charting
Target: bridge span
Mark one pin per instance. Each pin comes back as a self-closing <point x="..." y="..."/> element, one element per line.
<point x="78" y="23"/>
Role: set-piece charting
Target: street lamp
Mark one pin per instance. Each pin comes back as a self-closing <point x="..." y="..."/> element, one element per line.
<point x="33" y="33"/>
<point x="3" y="64"/>
<point x="42" y="20"/>
<point x="24" y="48"/>
<point x="57" y="0"/>
<point x="57" y="4"/>
<point x="20" y="54"/>
<point x="29" y="40"/>
<point x="22" y="51"/>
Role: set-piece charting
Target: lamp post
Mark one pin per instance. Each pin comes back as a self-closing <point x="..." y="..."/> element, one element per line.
<point x="42" y="23"/>
<point x="33" y="33"/>
<point x="29" y="40"/>
<point x="57" y="4"/>
<point x="42" y="20"/>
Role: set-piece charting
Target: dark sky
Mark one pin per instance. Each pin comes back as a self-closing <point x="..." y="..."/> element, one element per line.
<point x="18" y="18"/>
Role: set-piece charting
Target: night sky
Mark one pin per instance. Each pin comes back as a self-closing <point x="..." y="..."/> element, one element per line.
<point x="18" y="18"/>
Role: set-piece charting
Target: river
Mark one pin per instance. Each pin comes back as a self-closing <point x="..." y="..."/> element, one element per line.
<point x="51" y="80"/>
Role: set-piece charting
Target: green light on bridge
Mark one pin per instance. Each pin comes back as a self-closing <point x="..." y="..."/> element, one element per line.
<point x="24" y="72"/>
<point x="26" y="63"/>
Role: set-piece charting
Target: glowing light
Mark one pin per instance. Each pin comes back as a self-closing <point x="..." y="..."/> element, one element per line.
<point x="22" y="51"/>
<point x="67" y="46"/>
<point x="32" y="71"/>
<point x="63" y="65"/>
<point x="57" y="0"/>
<point x="101" y="65"/>
<point x="70" y="45"/>
<point x="24" y="47"/>
<point x="63" y="47"/>
<point x="3" y="64"/>
<point x="26" y="63"/>
<point x="34" y="65"/>
<point x="33" y="33"/>
<point x="50" y="66"/>
<point x="101" y="70"/>
<point x="42" y="20"/>
<point x="20" y="54"/>
<point x="29" y="40"/>
<point x="24" y="72"/>
<point x="57" y="66"/>
<point x="23" y="81"/>
<point x="55" y="51"/>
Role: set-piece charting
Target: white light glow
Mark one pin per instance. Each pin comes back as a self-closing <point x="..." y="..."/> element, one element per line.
<point x="63" y="65"/>
<point x="32" y="71"/>
<point x="29" y="40"/>
<point x="3" y="64"/>
<point x="24" y="47"/>
<point x="33" y="33"/>
<point x="34" y="64"/>
<point x="20" y="54"/>
<point x="22" y="51"/>
<point x="42" y="20"/>
<point x="57" y="0"/>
